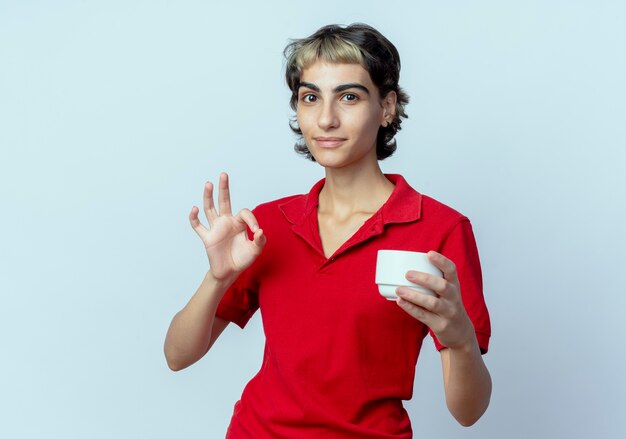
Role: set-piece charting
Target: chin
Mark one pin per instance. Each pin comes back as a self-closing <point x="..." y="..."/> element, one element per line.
<point x="328" y="163"/>
<point x="329" y="159"/>
<point x="336" y="159"/>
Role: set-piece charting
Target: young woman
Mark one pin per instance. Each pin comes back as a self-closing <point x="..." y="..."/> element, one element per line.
<point x="339" y="358"/>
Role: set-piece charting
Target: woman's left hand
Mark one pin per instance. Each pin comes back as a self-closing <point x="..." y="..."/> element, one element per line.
<point x="445" y="314"/>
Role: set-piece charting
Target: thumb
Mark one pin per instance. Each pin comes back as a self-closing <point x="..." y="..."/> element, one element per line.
<point x="259" y="238"/>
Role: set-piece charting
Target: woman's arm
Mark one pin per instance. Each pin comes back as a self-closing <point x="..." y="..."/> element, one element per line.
<point x="466" y="379"/>
<point x="467" y="383"/>
<point x="195" y="328"/>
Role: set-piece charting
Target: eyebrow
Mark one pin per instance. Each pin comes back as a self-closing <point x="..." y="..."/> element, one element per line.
<point x="337" y="89"/>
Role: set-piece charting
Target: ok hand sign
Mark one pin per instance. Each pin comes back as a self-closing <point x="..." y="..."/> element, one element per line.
<point x="226" y="240"/>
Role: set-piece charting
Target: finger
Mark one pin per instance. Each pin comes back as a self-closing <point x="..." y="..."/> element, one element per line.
<point x="442" y="287"/>
<point x="259" y="238"/>
<point x="417" y="312"/>
<point x="445" y="265"/>
<point x="248" y="217"/>
<point x="209" y="207"/>
<point x="224" y="195"/>
<point x="426" y="280"/>
<point x="195" y="222"/>
<point x="417" y="298"/>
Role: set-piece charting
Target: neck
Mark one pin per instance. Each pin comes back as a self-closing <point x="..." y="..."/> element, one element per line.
<point x="348" y="190"/>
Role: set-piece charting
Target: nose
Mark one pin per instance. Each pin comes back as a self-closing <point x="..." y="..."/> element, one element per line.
<point x="328" y="118"/>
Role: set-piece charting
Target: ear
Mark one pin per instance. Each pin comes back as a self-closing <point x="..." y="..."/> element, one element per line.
<point x="389" y="108"/>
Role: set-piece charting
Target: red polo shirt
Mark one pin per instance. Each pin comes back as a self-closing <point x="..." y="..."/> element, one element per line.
<point x="339" y="358"/>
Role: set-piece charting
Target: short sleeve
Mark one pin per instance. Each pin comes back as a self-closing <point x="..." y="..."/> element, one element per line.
<point x="240" y="301"/>
<point x="460" y="247"/>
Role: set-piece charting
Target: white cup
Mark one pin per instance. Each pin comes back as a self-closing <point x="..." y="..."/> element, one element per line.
<point x="391" y="269"/>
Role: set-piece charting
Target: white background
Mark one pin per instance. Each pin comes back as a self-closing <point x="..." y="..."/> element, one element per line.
<point x="114" y="114"/>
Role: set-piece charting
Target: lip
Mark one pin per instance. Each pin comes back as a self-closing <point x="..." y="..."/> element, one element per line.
<point x="329" y="142"/>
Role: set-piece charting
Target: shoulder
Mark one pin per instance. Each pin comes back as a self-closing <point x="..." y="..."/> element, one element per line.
<point x="441" y="216"/>
<point x="272" y="210"/>
<point x="406" y="203"/>
<point x="439" y="210"/>
<point x="275" y="205"/>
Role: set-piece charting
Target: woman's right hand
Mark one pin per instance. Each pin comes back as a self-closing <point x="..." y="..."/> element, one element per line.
<point x="226" y="240"/>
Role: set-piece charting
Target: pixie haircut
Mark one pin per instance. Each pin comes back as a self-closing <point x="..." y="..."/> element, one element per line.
<point x="354" y="44"/>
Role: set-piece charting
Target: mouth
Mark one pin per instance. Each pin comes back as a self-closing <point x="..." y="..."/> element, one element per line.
<point x="329" y="142"/>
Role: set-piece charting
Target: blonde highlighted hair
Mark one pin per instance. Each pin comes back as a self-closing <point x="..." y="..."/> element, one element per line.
<point x="355" y="44"/>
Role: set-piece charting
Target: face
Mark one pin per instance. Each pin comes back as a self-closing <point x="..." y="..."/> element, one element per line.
<point x="339" y="112"/>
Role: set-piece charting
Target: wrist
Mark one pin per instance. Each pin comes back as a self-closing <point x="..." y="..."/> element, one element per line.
<point x="222" y="282"/>
<point x="467" y="347"/>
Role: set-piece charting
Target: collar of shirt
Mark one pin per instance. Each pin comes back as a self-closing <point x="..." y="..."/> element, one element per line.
<point x="404" y="205"/>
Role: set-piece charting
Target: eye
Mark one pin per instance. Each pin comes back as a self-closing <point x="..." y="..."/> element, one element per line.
<point x="350" y="97"/>
<point x="308" y="98"/>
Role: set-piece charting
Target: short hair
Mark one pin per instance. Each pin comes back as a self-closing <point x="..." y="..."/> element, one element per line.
<point x="357" y="43"/>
